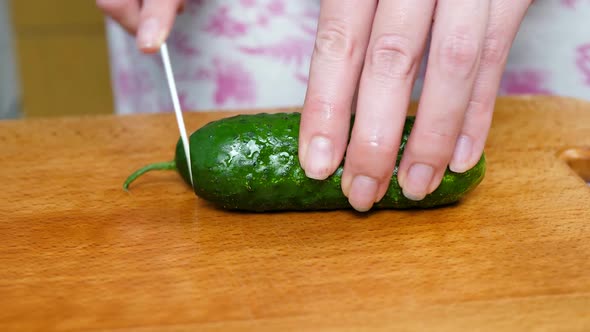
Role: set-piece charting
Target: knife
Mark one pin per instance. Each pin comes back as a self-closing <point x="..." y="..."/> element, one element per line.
<point x="177" y="109"/>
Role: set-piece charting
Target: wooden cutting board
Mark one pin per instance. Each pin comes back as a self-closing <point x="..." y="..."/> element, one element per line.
<point x="79" y="253"/>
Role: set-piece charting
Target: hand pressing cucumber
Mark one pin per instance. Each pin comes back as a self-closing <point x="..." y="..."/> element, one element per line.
<point x="250" y="163"/>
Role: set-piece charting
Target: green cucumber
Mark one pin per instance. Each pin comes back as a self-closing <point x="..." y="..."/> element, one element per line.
<point x="250" y="163"/>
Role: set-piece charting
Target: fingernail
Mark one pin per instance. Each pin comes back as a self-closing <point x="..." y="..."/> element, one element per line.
<point x="363" y="191"/>
<point x="150" y="34"/>
<point x="318" y="159"/>
<point x="460" y="160"/>
<point x="417" y="181"/>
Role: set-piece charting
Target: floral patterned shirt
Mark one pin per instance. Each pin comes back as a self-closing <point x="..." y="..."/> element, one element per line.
<point x="239" y="54"/>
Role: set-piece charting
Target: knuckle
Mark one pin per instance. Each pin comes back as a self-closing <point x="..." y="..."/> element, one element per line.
<point x="320" y="107"/>
<point x="435" y="134"/>
<point x="435" y="142"/>
<point x="478" y="108"/>
<point x="325" y="116"/>
<point x="495" y="51"/>
<point x="459" y="53"/>
<point x="431" y="150"/>
<point x="335" y="40"/>
<point x="373" y="156"/>
<point x="392" y="57"/>
<point x="378" y="145"/>
<point x="478" y="112"/>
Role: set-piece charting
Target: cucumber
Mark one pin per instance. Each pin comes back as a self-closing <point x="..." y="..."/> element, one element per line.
<point x="250" y="163"/>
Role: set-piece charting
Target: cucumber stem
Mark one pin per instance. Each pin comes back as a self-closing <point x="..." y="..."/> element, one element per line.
<point x="162" y="166"/>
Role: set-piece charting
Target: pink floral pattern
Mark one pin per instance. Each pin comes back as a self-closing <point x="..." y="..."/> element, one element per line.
<point x="525" y="82"/>
<point x="292" y="49"/>
<point x="572" y="3"/>
<point x="217" y="48"/>
<point x="231" y="54"/>
<point x="276" y="7"/>
<point x="583" y="62"/>
<point x="232" y="81"/>
<point x="222" y="24"/>
<point x="182" y="43"/>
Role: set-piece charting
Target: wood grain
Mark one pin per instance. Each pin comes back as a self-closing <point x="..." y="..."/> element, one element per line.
<point x="79" y="253"/>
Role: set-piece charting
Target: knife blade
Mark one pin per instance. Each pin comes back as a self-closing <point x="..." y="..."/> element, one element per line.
<point x="177" y="108"/>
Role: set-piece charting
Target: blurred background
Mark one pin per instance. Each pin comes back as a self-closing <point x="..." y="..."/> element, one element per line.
<point x="53" y="60"/>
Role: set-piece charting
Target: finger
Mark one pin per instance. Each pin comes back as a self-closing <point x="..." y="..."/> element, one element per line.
<point x="124" y="12"/>
<point x="343" y="34"/>
<point x="397" y="41"/>
<point x="505" y="18"/>
<point x="181" y="7"/>
<point x="457" y="40"/>
<point x="156" y="20"/>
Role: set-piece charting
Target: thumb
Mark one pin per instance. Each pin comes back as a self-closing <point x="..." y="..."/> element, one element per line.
<point x="124" y="12"/>
<point x="156" y="20"/>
